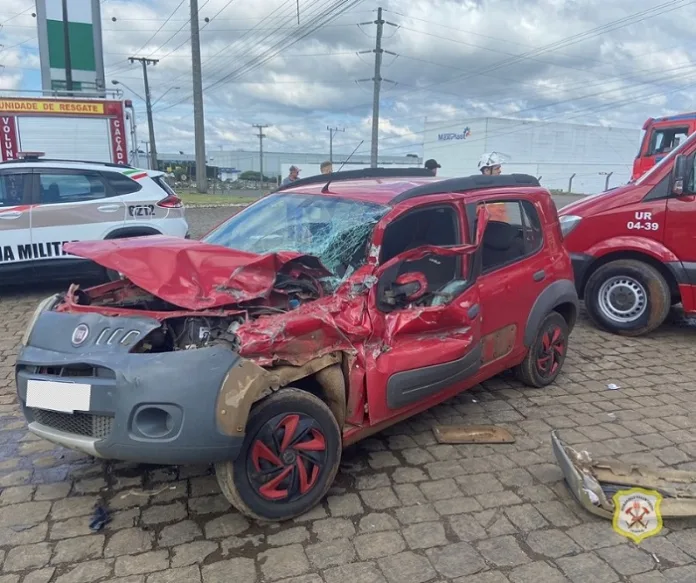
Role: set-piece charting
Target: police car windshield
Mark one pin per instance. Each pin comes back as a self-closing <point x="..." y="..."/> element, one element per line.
<point x="336" y="231"/>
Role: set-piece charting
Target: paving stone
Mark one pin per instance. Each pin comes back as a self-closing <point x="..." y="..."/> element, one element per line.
<point x="298" y="534"/>
<point x="466" y="527"/>
<point x="69" y="528"/>
<point x="129" y="541"/>
<point x="16" y="495"/>
<point x="208" y="505"/>
<point x="283" y="562"/>
<point x="551" y="543"/>
<point x="71" y="507"/>
<point x="596" y="535"/>
<point x="380" y="498"/>
<point x="144" y="563"/>
<point x="379" y="544"/>
<point x="179" y="533"/>
<point x="28" y="513"/>
<point x="243" y="571"/>
<point x="456" y="560"/>
<point x="587" y="568"/>
<point x="161" y="513"/>
<point x="458" y="505"/>
<point x="557" y="514"/>
<point x="424" y="535"/>
<point x="383" y="459"/>
<point x="40" y="576"/>
<point x="333" y="528"/>
<point x="190" y="574"/>
<point x="27" y="557"/>
<point x="77" y="549"/>
<point x="377" y="522"/>
<point x="87" y="572"/>
<point x="354" y="573"/>
<point x="487" y="577"/>
<point x="665" y="550"/>
<point x="474" y="484"/>
<point x="330" y="554"/>
<point x="23" y="535"/>
<point x="495" y="522"/>
<point x="230" y="524"/>
<point x="409" y="494"/>
<point x="498" y="499"/>
<point x="406" y="568"/>
<point x="345" y="505"/>
<point x="440" y="489"/>
<point x="536" y="572"/>
<point x="194" y="552"/>
<point x="413" y="514"/>
<point x="525" y="517"/>
<point x="627" y="560"/>
<point x="503" y="551"/>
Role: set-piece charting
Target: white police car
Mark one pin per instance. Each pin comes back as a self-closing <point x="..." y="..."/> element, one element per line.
<point x="45" y="203"/>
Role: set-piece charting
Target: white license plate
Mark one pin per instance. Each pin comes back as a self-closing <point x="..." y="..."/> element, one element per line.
<point x="57" y="396"/>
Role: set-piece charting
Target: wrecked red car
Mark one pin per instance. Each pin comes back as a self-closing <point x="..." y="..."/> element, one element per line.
<point x="315" y="317"/>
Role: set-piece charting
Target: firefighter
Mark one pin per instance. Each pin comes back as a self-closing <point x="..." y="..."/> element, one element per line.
<point x="490" y="164"/>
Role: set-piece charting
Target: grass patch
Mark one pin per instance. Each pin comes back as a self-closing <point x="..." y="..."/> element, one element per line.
<point x="194" y="199"/>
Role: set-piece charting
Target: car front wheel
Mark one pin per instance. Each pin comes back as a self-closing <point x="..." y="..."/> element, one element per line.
<point x="289" y="459"/>
<point x="627" y="297"/>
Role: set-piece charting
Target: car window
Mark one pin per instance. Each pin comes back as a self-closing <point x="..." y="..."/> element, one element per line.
<point x="70" y="187"/>
<point x="437" y="225"/>
<point x="513" y="233"/>
<point x="12" y="188"/>
<point x="664" y="141"/>
<point x="121" y="184"/>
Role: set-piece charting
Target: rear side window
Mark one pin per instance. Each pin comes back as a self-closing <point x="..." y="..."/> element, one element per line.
<point x="56" y="188"/>
<point x="12" y="189"/>
<point x="159" y="181"/>
<point x="513" y="233"/>
<point x="121" y="184"/>
<point x="664" y="141"/>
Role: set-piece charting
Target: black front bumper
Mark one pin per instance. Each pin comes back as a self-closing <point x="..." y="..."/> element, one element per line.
<point x="144" y="408"/>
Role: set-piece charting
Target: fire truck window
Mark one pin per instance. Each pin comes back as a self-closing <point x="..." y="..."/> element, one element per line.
<point x="664" y="141"/>
<point x="12" y="189"/>
<point x="63" y="188"/>
<point x="513" y="233"/>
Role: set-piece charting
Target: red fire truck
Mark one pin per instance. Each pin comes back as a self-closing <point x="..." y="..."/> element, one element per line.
<point x="64" y="128"/>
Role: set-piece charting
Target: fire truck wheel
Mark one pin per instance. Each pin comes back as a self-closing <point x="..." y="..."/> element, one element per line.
<point x="627" y="297"/>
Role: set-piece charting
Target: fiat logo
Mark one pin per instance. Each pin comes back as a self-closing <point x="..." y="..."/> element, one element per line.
<point x="80" y="334"/>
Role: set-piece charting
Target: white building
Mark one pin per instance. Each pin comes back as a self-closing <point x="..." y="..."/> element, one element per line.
<point x="551" y="151"/>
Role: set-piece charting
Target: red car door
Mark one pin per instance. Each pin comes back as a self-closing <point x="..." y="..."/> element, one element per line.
<point x="422" y="353"/>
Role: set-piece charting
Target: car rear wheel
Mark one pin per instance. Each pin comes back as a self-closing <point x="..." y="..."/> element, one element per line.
<point x="627" y="297"/>
<point x="547" y="353"/>
<point x="289" y="459"/>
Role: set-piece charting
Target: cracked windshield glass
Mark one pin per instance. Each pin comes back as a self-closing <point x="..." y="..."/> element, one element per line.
<point x="335" y="231"/>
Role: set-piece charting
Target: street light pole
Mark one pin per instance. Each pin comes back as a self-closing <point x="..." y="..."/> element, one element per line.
<point x="148" y="105"/>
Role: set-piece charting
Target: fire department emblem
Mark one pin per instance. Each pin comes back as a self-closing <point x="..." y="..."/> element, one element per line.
<point x="637" y="513"/>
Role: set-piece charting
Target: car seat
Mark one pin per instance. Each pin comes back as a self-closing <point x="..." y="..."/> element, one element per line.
<point x="502" y="243"/>
<point x="52" y="193"/>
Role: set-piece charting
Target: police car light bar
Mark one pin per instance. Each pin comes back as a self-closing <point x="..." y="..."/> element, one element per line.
<point x="30" y="155"/>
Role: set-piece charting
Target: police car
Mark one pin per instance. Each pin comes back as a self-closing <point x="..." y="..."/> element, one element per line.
<point x="45" y="203"/>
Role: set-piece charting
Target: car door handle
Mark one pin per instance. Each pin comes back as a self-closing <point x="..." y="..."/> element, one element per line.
<point x="473" y="311"/>
<point x="539" y="275"/>
<point x="11" y="215"/>
<point x="109" y="208"/>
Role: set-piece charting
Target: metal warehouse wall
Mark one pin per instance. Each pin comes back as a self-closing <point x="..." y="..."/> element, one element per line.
<point x="552" y="150"/>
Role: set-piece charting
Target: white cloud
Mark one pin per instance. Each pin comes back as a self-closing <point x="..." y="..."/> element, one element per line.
<point x="450" y="66"/>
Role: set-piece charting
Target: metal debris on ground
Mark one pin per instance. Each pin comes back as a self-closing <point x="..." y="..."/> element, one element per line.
<point x="472" y="434"/>
<point x="593" y="483"/>
<point x="613" y="387"/>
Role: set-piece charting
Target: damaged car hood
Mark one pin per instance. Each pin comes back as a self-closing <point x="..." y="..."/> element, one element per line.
<point x="192" y="274"/>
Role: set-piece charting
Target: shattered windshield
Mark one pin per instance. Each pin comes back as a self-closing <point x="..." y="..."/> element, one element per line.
<point x="334" y="230"/>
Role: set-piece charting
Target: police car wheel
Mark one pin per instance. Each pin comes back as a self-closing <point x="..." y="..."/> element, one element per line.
<point x="627" y="297"/>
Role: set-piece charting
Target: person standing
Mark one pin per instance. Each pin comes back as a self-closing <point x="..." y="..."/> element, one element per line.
<point x="293" y="175"/>
<point x="490" y="164"/>
<point x="326" y="167"/>
<point x="432" y="165"/>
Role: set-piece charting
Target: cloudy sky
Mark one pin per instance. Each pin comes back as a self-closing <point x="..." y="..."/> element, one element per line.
<point x="614" y="63"/>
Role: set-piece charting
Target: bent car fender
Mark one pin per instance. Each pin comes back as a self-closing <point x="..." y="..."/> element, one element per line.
<point x="247" y="382"/>
<point x="650" y="247"/>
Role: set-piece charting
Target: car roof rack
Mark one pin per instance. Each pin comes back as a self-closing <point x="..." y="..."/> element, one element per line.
<point x="33" y="159"/>
<point x="358" y="175"/>
<point x="474" y="182"/>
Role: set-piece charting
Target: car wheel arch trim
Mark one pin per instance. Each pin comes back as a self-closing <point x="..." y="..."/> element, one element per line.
<point x="555" y="294"/>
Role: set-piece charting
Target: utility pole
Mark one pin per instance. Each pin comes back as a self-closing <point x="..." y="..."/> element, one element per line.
<point x="66" y="49"/>
<point x="261" y="136"/>
<point x="198" y="117"/>
<point x="377" y="79"/>
<point x="332" y="133"/>
<point x="144" y="61"/>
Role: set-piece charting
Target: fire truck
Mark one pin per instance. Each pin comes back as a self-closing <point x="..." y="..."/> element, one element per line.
<point x="66" y="128"/>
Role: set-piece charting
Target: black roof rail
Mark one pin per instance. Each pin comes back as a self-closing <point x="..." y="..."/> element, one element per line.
<point x="474" y="182"/>
<point x="358" y="175"/>
<point x="35" y="160"/>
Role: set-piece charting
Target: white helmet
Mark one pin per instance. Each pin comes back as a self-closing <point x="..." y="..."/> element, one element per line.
<point x="490" y="159"/>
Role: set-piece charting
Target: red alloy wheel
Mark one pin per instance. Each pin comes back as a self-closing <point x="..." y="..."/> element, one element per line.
<point x="286" y="457"/>
<point x="551" y="352"/>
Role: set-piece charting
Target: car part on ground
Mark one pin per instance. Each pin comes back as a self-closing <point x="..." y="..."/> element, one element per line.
<point x="472" y="434"/>
<point x="593" y="483"/>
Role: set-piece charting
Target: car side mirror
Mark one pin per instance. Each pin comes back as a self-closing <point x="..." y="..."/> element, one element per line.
<point x="680" y="172"/>
<point x="408" y="287"/>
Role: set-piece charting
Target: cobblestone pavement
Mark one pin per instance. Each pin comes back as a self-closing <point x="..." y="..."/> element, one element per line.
<point x="403" y="508"/>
